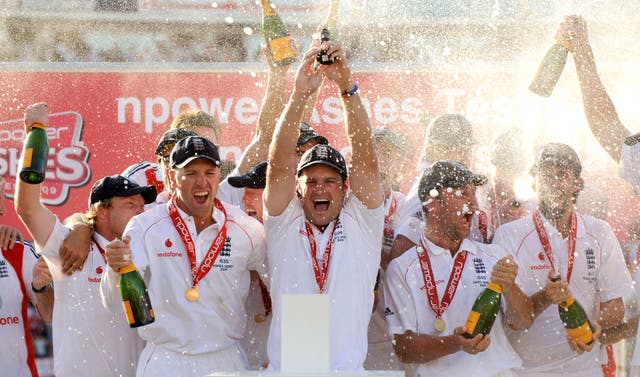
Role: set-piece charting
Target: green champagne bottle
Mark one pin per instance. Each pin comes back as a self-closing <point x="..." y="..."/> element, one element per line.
<point x="328" y="30"/>
<point x="276" y="36"/>
<point x="484" y="311"/>
<point x="135" y="297"/>
<point x="575" y="321"/>
<point x="550" y="70"/>
<point x="35" y="154"/>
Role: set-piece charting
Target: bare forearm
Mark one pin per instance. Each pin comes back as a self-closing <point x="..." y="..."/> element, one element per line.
<point x="44" y="304"/>
<point x="421" y="348"/>
<point x="611" y="313"/>
<point x="540" y="302"/>
<point x="599" y="110"/>
<point x="365" y="173"/>
<point x="519" y="309"/>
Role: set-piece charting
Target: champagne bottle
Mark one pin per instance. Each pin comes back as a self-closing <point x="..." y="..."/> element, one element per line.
<point x="135" y="297"/>
<point x="35" y="154"/>
<point x="575" y="321"/>
<point x="276" y="36"/>
<point x="550" y="69"/>
<point x="484" y="311"/>
<point x="323" y="57"/>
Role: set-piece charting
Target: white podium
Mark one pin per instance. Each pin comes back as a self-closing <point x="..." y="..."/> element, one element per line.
<point x="258" y="373"/>
<point x="306" y="317"/>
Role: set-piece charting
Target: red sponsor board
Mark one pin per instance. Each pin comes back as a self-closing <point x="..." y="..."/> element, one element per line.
<point x="103" y="122"/>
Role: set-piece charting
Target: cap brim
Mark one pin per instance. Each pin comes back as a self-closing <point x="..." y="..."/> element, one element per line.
<point x="188" y="160"/>
<point x="148" y="193"/>
<point x="340" y="170"/>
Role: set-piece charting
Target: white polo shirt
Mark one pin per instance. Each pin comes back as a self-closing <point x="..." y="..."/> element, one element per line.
<point x="15" y="360"/>
<point x="408" y="309"/>
<point x="380" y="355"/>
<point x="215" y="321"/>
<point x="88" y="340"/>
<point x="599" y="275"/>
<point x="355" y="259"/>
<point x="629" y="167"/>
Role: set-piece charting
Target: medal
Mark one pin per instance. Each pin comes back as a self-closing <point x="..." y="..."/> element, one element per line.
<point x="439" y="325"/>
<point x="209" y="260"/>
<point x="192" y="294"/>
<point x="439" y="306"/>
<point x="259" y="318"/>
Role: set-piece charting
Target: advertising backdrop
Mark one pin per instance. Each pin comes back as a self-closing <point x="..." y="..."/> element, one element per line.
<point x="102" y="122"/>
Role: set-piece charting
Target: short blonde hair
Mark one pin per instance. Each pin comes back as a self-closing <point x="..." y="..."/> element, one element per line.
<point x="90" y="216"/>
<point x="196" y="118"/>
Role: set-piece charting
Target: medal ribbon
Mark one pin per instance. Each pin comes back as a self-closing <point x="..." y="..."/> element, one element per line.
<point x="214" y="250"/>
<point x="388" y="232"/>
<point x="436" y="305"/>
<point x="321" y="276"/>
<point x="546" y="245"/>
<point x="101" y="250"/>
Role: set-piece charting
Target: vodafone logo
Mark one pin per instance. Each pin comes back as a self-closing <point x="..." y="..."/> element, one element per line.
<point x="99" y="270"/>
<point x="169" y="254"/>
<point x="541" y="255"/>
<point x="67" y="165"/>
<point x="12" y="320"/>
<point x="168" y="242"/>
<point x="94" y="280"/>
<point x="537" y="267"/>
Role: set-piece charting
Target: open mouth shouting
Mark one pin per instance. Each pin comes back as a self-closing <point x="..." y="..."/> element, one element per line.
<point x="321" y="205"/>
<point x="201" y="197"/>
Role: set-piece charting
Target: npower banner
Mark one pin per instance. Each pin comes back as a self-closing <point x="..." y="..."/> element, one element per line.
<point x="102" y="122"/>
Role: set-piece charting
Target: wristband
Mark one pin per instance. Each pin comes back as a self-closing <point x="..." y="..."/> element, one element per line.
<point x="350" y="93"/>
<point x="41" y="290"/>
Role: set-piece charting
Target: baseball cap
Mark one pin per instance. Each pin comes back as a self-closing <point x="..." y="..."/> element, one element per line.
<point x="255" y="177"/>
<point x="191" y="148"/>
<point x="171" y="137"/>
<point x="447" y="174"/>
<point x="557" y="154"/>
<point x="117" y="185"/>
<point x="145" y="174"/>
<point x="307" y="133"/>
<point x="323" y="154"/>
<point x="450" y="129"/>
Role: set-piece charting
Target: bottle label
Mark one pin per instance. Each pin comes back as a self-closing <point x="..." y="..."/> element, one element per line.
<point x="282" y="48"/>
<point x="495" y="287"/>
<point x="472" y="322"/>
<point x="128" y="312"/>
<point x="568" y="302"/>
<point x="28" y="154"/>
<point x="582" y="334"/>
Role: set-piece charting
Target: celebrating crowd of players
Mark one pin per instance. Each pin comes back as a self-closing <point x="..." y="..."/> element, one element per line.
<point x="402" y="272"/>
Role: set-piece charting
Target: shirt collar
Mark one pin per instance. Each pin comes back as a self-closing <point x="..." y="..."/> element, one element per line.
<point x="434" y="249"/>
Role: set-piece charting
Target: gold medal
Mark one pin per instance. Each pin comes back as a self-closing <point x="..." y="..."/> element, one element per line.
<point x="192" y="294"/>
<point x="439" y="325"/>
<point x="259" y="318"/>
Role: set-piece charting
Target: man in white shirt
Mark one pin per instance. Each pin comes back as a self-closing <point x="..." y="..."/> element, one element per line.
<point x="584" y="252"/>
<point x="426" y="311"/>
<point x="88" y="340"/>
<point x="323" y="231"/>
<point x="18" y="287"/>
<point x="195" y="253"/>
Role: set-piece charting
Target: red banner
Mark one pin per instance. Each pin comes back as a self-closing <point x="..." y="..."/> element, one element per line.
<point x="103" y="122"/>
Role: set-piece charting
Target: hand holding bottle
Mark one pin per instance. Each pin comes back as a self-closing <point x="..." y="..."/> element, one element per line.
<point x="557" y="290"/>
<point x="309" y="76"/>
<point x="504" y="273"/>
<point x="580" y="347"/>
<point x="473" y="345"/>
<point x="118" y="253"/>
<point x="573" y="30"/>
<point x="36" y="113"/>
<point x="339" y="71"/>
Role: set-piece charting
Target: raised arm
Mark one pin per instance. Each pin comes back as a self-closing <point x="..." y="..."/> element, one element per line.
<point x="281" y="173"/>
<point x="272" y="105"/>
<point x="599" y="109"/>
<point x="35" y="216"/>
<point x="364" y="177"/>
